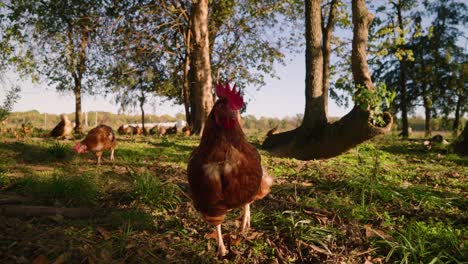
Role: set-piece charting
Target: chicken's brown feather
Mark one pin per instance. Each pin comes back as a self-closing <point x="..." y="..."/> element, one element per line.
<point x="101" y="134"/>
<point x="225" y="152"/>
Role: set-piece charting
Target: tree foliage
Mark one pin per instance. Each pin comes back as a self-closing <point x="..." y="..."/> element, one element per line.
<point x="61" y="40"/>
<point x="11" y="98"/>
<point x="52" y="32"/>
<point x="420" y="51"/>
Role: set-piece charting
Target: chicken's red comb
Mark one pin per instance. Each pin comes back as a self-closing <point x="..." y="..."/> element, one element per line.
<point x="234" y="97"/>
<point x="77" y="147"/>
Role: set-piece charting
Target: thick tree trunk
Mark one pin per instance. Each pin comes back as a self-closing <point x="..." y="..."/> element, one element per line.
<point x="316" y="138"/>
<point x="428" y="116"/>
<point x="200" y="66"/>
<point x="402" y="81"/>
<point x="327" y="36"/>
<point x="461" y="144"/>
<point x="456" y="121"/>
<point x="78" y="72"/>
<point x="362" y="19"/>
<point x="403" y="106"/>
<point x="315" y="113"/>
<point x="186" y="91"/>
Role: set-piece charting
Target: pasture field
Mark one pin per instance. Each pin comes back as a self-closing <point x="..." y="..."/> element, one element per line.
<point x="385" y="201"/>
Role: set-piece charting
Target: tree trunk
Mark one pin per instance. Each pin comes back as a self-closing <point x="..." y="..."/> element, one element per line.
<point x="327" y="36"/>
<point x="315" y="113"/>
<point x="186" y="90"/>
<point x="76" y="79"/>
<point x="77" y="92"/>
<point x="200" y="66"/>
<point x="142" y="104"/>
<point x="403" y="105"/>
<point x="456" y="121"/>
<point x="78" y="72"/>
<point x="362" y="19"/>
<point x="35" y="211"/>
<point x="461" y="144"/>
<point x="402" y="80"/>
<point x="316" y="138"/>
<point x="428" y="116"/>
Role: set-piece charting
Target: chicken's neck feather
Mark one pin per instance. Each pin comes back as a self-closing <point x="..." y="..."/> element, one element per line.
<point x="215" y="135"/>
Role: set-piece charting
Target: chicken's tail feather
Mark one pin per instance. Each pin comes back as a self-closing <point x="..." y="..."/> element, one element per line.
<point x="265" y="185"/>
<point x="214" y="220"/>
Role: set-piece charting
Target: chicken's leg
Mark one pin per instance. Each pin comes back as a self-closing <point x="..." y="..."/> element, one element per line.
<point x="98" y="154"/>
<point x="112" y="155"/>
<point x="245" y="219"/>
<point x="219" y="238"/>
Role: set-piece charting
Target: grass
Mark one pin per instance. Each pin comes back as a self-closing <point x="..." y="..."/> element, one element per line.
<point x="60" y="189"/>
<point x="386" y="200"/>
<point x="152" y="190"/>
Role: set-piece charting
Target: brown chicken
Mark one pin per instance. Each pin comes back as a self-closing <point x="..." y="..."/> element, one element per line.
<point x="62" y="129"/>
<point x="138" y="131"/>
<point x="171" y="130"/>
<point x="27" y="129"/>
<point x="99" y="139"/>
<point x="224" y="171"/>
<point x="122" y="130"/>
<point x="186" y="130"/>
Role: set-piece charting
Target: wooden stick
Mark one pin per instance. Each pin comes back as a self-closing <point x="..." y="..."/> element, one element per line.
<point x="31" y="211"/>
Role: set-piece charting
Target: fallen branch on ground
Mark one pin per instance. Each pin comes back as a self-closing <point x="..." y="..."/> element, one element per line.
<point x="30" y="211"/>
<point x="13" y="199"/>
<point x="316" y="211"/>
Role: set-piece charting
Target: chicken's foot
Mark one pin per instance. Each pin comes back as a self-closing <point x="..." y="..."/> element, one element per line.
<point x="219" y="237"/>
<point x="245" y="219"/>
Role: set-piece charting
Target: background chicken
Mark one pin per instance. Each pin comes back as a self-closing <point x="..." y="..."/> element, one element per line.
<point x="99" y="139"/>
<point x="186" y="131"/>
<point x="224" y="172"/>
<point x="62" y="129"/>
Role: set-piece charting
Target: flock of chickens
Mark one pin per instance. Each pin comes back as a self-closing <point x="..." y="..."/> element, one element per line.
<point x="224" y="171"/>
<point x="156" y="130"/>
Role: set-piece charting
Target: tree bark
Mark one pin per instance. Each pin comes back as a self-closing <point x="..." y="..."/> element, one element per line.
<point x="34" y="211"/>
<point x="456" y="121"/>
<point x="362" y="19"/>
<point x="77" y="72"/>
<point x="402" y="80"/>
<point x="186" y="86"/>
<point x="315" y="138"/>
<point x="200" y="66"/>
<point x="461" y="144"/>
<point x="77" y="92"/>
<point x="315" y="113"/>
<point x="428" y="115"/>
<point x="327" y="36"/>
<point x="142" y="104"/>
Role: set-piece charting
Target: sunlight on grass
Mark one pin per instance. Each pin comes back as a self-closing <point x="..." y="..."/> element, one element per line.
<point x="415" y="198"/>
<point x="426" y="242"/>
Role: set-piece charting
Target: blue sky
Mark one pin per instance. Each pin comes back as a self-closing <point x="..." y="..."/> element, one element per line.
<point x="279" y="98"/>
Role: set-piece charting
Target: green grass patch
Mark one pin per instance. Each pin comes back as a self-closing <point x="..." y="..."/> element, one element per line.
<point x="61" y="189"/>
<point x="152" y="190"/>
<point x="426" y="242"/>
